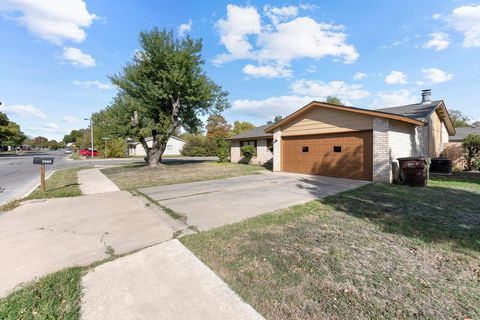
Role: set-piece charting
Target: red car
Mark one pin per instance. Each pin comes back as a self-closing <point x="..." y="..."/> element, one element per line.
<point x="88" y="152"/>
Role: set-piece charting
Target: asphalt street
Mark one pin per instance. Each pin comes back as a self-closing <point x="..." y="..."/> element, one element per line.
<point x="18" y="174"/>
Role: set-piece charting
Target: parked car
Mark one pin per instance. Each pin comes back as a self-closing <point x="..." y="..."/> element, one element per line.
<point x="68" y="151"/>
<point x="88" y="152"/>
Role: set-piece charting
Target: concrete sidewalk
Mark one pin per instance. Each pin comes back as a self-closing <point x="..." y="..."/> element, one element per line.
<point x="93" y="181"/>
<point x="43" y="236"/>
<point x="165" y="281"/>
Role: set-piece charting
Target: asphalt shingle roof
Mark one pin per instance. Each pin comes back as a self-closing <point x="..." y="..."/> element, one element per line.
<point x="418" y="111"/>
<point x="463" y="132"/>
<point x="254" y="133"/>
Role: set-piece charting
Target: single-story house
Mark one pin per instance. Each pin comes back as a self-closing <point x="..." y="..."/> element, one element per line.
<point x="174" y="147"/>
<point x="348" y="142"/>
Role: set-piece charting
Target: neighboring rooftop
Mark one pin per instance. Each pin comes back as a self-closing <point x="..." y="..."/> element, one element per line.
<point x="418" y="111"/>
<point x="463" y="132"/>
<point x="257" y="132"/>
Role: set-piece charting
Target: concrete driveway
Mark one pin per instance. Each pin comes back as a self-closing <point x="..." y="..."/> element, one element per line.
<point x="44" y="236"/>
<point x="213" y="203"/>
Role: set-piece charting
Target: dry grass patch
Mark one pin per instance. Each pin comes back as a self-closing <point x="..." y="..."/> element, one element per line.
<point x="377" y="252"/>
<point x="135" y="177"/>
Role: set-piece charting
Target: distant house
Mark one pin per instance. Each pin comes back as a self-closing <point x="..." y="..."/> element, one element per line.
<point x="454" y="149"/>
<point x="174" y="147"/>
<point x="349" y="142"/>
<point x="259" y="139"/>
<point x="463" y="132"/>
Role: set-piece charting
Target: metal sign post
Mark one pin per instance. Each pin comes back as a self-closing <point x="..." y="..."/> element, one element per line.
<point x="42" y="161"/>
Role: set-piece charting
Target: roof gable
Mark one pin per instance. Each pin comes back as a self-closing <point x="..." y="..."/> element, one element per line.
<point x="316" y="104"/>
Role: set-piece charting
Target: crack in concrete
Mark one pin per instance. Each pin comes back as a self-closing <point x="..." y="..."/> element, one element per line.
<point x="108" y="248"/>
<point x="190" y="195"/>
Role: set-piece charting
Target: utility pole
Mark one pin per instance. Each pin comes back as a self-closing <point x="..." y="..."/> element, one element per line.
<point x="91" y="134"/>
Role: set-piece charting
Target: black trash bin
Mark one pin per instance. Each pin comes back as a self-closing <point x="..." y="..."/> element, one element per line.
<point x="414" y="171"/>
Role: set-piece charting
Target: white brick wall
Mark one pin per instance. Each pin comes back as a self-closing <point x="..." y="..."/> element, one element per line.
<point x="392" y="140"/>
<point x="381" y="153"/>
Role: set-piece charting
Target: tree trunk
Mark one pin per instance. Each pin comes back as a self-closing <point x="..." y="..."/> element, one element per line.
<point x="154" y="157"/>
<point x="159" y="142"/>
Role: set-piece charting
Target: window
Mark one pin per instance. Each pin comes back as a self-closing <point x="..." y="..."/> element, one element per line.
<point x="304" y="149"/>
<point x="337" y="149"/>
<point x="250" y="143"/>
<point x="270" y="145"/>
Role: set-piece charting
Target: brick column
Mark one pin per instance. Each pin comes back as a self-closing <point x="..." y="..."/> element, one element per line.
<point x="277" y="150"/>
<point x="382" y="167"/>
<point x="235" y="154"/>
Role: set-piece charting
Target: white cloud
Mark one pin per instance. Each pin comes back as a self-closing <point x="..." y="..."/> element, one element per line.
<point x="70" y="119"/>
<point x="303" y="37"/>
<point x="436" y="75"/>
<point x="23" y="110"/>
<point x="396" y="77"/>
<point x="439" y="41"/>
<point x="268" y="108"/>
<point x="78" y="58"/>
<point x="268" y="71"/>
<point x="466" y="19"/>
<point x="240" y="22"/>
<point x="277" y="14"/>
<point x="93" y="83"/>
<point x="420" y="83"/>
<point x="52" y="20"/>
<point x="436" y="16"/>
<point x="359" y="76"/>
<point x="185" y="28"/>
<point x="50" y="127"/>
<point x="393" y="99"/>
<point x="320" y="90"/>
<point x="288" y="37"/>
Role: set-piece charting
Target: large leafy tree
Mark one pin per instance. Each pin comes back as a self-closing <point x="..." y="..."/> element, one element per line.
<point x="275" y="120"/>
<point x="217" y="126"/>
<point x="459" y="119"/>
<point x="15" y="135"/>
<point x="164" y="88"/>
<point x="334" y="100"/>
<point x="39" y="142"/>
<point x="74" y="135"/>
<point x="241" y="126"/>
<point x="10" y="133"/>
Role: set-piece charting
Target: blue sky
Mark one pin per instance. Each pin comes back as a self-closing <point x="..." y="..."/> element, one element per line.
<point x="273" y="57"/>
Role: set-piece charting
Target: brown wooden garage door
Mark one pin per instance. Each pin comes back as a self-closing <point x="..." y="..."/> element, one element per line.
<point x="344" y="155"/>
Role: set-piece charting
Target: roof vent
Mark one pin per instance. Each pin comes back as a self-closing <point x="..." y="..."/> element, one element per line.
<point x="426" y="96"/>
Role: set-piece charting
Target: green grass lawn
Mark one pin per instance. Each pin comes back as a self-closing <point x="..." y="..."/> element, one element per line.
<point x="55" y="296"/>
<point x="139" y="176"/>
<point x="62" y="183"/>
<point x="377" y="252"/>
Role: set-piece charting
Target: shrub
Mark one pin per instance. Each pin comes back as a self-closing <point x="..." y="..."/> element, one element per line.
<point x="115" y="148"/>
<point x="197" y="145"/>
<point x="471" y="146"/>
<point x="247" y="152"/>
<point x="223" y="151"/>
